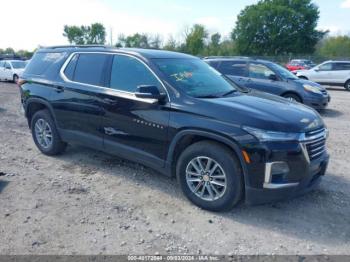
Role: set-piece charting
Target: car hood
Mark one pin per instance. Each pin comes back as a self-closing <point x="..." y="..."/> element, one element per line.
<point x="265" y="111"/>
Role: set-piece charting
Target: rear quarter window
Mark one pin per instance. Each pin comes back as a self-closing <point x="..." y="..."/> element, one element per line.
<point x="42" y="62"/>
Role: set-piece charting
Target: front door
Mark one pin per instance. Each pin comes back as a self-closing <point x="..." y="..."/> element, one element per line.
<point x="259" y="79"/>
<point x="133" y="126"/>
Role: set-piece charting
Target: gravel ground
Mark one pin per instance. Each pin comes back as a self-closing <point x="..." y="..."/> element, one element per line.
<point x="87" y="202"/>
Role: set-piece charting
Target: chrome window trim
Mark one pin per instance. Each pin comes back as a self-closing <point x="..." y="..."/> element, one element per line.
<point x="112" y="91"/>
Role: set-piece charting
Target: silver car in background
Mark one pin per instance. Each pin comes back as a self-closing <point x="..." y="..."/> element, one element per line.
<point x="335" y="73"/>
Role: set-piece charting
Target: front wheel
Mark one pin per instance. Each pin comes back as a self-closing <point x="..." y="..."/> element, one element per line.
<point x="347" y="85"/>
<point x="292" y="97"/>
<point x="15" y="78"/>
<point x="45" y="134"/>
<point x="210" y="176"/>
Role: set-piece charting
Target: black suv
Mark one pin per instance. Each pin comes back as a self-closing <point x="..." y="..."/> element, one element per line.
<point x="272" y="78"/>
<point x="176" y="114"/>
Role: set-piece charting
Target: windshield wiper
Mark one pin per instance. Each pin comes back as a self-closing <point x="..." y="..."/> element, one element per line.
<point x="229" y="92"/>
<point x="208" y="96"/>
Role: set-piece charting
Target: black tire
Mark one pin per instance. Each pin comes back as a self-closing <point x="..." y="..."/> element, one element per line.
<point x="15" y="78"/>
<point x="230" y="165"/>
<point x="57" y="146"/>
<point x="292" y="97"/>
<point x="347" y="85"/>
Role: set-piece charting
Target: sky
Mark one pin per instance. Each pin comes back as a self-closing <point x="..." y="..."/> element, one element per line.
<point x="26" y="24"/>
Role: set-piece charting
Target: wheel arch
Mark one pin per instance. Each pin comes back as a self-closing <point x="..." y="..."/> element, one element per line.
<point x="34" y="105"/>
<point x="293" y="93"/>
<point x="185" y="138"/>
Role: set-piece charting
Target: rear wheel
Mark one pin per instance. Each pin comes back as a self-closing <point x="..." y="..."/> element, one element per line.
<point x="347" y="85"/>
<point x="45" y="134"/>
<point x="292" y="97"/>
<point x="210" y="176"/>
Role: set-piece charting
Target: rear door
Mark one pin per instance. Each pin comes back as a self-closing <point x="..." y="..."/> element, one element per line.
<point x="235" y="70"/>
<point x="341" y="72"/>
<point x="75" y="101"/>
<point x="134" y="127"/>
<point x="259" y="79"/>
<point x="7" y="73"/>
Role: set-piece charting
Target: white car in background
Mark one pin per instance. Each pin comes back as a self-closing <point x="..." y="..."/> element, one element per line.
<point x="11" y="70"/>
<point x="335" y="73"/>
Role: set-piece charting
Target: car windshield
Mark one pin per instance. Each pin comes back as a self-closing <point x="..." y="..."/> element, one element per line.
<point x="18" y="64"/>
<point x="195" y="77"/>
<point x="283" y="72"/>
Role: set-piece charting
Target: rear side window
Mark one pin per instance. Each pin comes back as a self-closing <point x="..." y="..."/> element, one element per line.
<point x="70" y="69"/>
<point x="1" y="64"/>
<point x="214" y="64"/>
<point x="342" y="66"/>
<point x="40" y="62"/>
<point x="128" y="73"/>
<point x="234" y="68"/>
<point x="90" y="69"/>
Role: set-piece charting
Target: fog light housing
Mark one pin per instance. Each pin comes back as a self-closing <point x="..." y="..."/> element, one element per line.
<point x="275" y="174"/>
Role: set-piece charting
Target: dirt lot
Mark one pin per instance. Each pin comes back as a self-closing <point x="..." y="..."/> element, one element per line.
<point x="86" y="202"/>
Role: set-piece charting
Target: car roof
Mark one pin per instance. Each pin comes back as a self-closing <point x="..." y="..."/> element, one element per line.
<point x="147" y="53"/>
<point x="238" y="58"/>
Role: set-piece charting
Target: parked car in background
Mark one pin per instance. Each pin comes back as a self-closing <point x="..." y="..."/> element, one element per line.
<point x="272" y="78"/>
<point x="299" y="64"/>
<point x="176" y="114"/>
<point x="335" y="73"/>
<point x="11" y="70"/>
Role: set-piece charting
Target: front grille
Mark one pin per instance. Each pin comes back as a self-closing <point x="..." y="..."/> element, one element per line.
<point x="315" y="142"/>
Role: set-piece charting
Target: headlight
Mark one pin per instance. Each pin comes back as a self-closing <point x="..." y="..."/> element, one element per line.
<point x="312" y="89"/>
<point x="271" y="136"/>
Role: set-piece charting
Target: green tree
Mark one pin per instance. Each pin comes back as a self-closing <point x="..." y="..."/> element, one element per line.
<point x="195" y="40"/>
<point x="274" y="27"/>
<point x="85" y="35"/>
<point x="136" y="40"/>
<point x="337" y="46"/>
<point x="171" y="44"/>
<point x="214" y="44"/>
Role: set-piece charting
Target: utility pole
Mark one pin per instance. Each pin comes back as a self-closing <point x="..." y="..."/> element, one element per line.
<point x="111" y="36"/>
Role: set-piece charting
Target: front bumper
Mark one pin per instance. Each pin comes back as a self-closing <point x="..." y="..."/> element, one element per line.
<point x="319" y="102"/>
<point x="280" y="170"/>
<point x="310" y="180"/>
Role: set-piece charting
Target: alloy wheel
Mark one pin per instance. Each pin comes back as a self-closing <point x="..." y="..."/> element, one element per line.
<point x="43" y="133"/>
<point x="206" y="178"/>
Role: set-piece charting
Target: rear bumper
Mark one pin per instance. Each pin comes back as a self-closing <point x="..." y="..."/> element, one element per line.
<point x="312" y="177"/>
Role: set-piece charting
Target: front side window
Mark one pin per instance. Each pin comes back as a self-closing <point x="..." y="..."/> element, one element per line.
<point x="90" y="69"/>
<point x="128" y="73"/>
<point x="234" y="68"/>
<point x="1" y="64"/>
<point x="7" y="65"/>
<point x="18" y="64"/>
<point x="259" y="71"/>
<point x="194" y="77"/>
<point x="326" y="67"/>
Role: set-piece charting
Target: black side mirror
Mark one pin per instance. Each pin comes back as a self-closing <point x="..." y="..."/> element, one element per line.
<point x="273" y="77"/>
<point x="149" y="91"/>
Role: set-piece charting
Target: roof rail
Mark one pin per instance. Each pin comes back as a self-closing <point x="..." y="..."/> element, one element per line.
<point x="76" y="46"/>
<point x="228" y="57"/>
